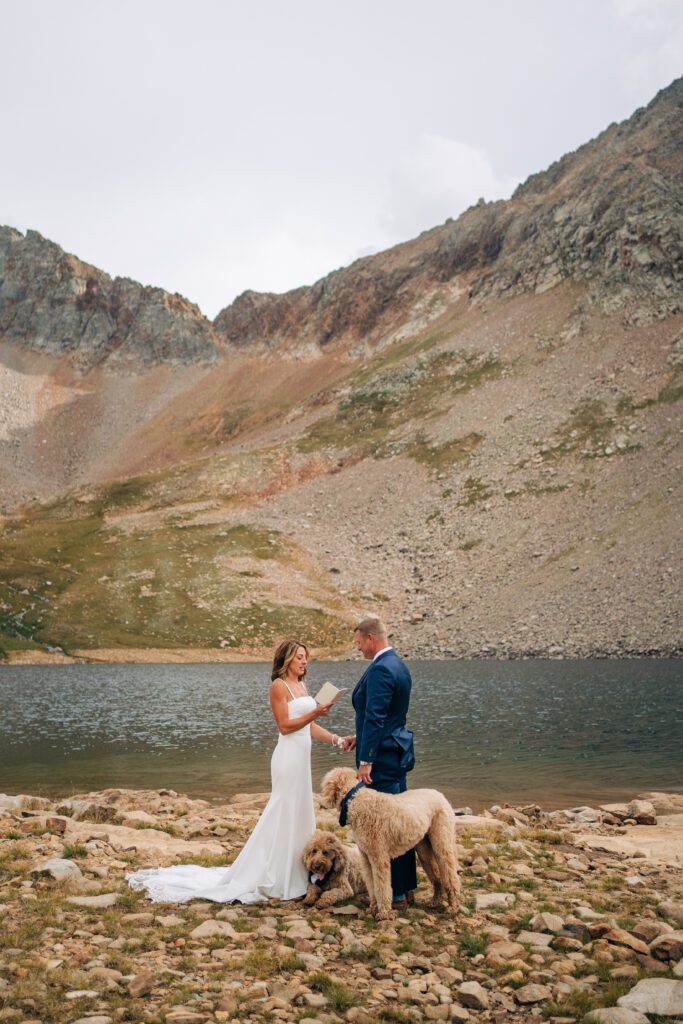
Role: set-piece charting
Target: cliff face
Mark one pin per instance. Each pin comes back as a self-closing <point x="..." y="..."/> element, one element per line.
<point x="610" y="214"/>
<point x="52" y="302"/>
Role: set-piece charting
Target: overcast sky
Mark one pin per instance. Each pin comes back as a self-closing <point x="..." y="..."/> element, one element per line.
<point x="209" y="146"/>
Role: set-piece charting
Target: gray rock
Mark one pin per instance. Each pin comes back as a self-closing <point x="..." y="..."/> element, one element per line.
<point x="486" y="900"/>
<point x="472" y="995"/>
<point x="207" y="929"/>
<point x="22" y="802"/>
<point x="643" y="812"/>
<point x="312" y="962"/>
<point x="547" y="923"/>
<point x="106" y="899"/>
<point x="141" y="985"/>
<point x="615" y="1015"/>
<point x="661" y="996"/>
<point x="668" y="946"/>
<point x="672" y="911"/>
<point x="60" y="869"/>
<point x="53" y="302"/>
<point x="316" y="999"/>
<point x="538" y="939"/>
<point x="532" y="994"/>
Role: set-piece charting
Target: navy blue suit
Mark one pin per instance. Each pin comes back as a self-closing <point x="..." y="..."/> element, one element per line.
<point x="380" y="700"/>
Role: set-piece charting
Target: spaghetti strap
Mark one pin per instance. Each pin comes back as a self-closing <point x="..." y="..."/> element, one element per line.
<point x="290" y="692"/>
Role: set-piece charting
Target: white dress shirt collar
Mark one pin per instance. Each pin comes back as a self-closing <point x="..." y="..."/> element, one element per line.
<point x="383" y="651"/>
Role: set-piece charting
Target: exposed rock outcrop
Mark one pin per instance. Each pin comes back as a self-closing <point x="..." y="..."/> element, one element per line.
<point x="610" y="214"/>
<point x="53" y="302"/>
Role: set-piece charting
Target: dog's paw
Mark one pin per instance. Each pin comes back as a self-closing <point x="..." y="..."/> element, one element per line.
<point x="385" y="915"/>
<point x="311" y="897"/>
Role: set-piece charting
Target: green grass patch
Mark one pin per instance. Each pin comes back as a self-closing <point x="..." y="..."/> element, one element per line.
<point x="475" y="492"/>
<point x="473" y="944"/>
<point x="392" y="393"/>
<point x="340" y="997"/>
<point x="73" y="851"/>
<point x="441" y="457"/>
<point x="78" y="583"/>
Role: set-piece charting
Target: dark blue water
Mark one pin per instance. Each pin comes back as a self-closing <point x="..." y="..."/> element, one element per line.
<point x="557" y="732"/>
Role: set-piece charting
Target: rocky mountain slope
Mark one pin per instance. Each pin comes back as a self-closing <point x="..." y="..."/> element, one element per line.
<point x="476" y="432"/>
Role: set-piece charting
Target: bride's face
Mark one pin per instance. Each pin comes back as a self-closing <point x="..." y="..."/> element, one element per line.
<point x="299" y="662"/>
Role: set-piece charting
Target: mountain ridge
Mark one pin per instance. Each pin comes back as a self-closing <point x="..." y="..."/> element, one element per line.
<point x="476" y="432"/>
<point x="496" y="248"/>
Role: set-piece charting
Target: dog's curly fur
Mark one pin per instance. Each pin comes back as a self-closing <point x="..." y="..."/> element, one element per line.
<point x="386" y="825"/>
<point x="341" y="865"/>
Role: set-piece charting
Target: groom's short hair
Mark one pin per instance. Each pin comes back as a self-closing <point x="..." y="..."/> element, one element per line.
<point x="371" y="625"/>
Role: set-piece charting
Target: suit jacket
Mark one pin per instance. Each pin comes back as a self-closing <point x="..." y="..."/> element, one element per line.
<point x="380" y="700"/>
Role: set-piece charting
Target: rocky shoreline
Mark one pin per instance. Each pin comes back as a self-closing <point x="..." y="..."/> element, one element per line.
<point x="566" y="915"/>
<point x="206" y="655"/>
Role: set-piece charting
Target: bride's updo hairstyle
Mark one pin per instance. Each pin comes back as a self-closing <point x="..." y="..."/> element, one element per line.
<point x="284" y="654"/>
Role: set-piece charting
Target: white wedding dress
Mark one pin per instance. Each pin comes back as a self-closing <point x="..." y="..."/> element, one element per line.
<point x="269" y="865"/>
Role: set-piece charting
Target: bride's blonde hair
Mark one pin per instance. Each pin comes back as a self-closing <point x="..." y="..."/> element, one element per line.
<point x="285" y="653"/>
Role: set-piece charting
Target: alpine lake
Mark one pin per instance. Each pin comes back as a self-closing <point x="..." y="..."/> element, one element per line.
<point x="557" y="733"/>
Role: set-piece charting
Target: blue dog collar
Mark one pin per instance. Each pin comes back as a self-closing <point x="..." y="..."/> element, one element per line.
<point x="344" y="806"/>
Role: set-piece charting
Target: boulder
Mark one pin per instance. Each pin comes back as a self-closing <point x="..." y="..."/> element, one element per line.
<point x="207" y="929"/>
<point x="541" y="940"/>
<point x="472" y="995"/>
<point x="22" y="802"/>
<point x="672" y="911"/>
<point x="619" y="937"/>
<point x="99" y="1018"/>
<point x="547" y="923"/>
<point x="59" y="868"/>
<point x="661" y="996"/>
<point x="504" y="950"/>
<point x="615" y="1015"/>
<point x="532" y="994"/>
<point x="486" y="900"/>
<point x="664" y="803"/>
<point x="141" y="985"/>
<point x="668" y="946"/>
<point x="133" y="818"/>
<point x="643" y="811"/>
<point x="106" y="899"/>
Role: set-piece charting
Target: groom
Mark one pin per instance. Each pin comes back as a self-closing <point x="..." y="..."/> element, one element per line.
<point x="381" y="700"/>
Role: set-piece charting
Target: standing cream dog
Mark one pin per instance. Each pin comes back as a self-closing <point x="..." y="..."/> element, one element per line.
<point x="386" y="825"/>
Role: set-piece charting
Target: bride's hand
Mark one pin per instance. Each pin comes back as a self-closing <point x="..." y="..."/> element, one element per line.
<point x="322" y="710"/>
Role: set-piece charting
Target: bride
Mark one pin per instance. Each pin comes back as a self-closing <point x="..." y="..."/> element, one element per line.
<point x="269" y="865"/>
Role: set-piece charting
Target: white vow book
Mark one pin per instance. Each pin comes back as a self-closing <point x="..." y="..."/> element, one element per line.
<point x="329" y="693"/>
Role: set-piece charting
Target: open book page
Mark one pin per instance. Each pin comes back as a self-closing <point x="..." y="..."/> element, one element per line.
<point x="330" y="694"/>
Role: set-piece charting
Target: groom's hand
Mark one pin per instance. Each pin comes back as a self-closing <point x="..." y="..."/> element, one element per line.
<point x="364" y="774"/>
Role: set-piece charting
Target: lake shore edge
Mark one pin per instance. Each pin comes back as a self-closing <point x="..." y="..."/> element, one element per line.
<point x="199" y="655"/>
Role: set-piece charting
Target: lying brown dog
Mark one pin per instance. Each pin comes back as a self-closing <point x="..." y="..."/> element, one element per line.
<point x="337" y="868"/>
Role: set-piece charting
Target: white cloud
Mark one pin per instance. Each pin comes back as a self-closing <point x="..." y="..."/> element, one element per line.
<point x="439" y="178"/>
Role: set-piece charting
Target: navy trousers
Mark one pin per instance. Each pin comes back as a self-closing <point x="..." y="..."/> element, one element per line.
<point x="403" y="868"/>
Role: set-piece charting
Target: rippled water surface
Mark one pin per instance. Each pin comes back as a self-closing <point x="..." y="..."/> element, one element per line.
<point x="557" y="732"/>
